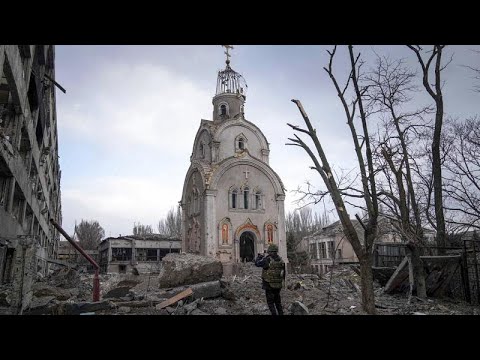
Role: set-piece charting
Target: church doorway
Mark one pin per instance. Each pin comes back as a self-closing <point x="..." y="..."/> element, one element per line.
<point x="247" y="249"/>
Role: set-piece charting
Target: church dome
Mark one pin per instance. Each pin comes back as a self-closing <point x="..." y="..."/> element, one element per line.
<point x="230" y="82"/>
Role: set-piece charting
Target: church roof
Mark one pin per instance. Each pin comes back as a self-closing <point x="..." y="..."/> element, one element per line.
<point x="229" y="81"/>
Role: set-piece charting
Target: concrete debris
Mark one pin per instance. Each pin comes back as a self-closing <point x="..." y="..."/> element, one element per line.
<point x="207" y="290"/>
<point x="187" y="269"/>
<point x="335" y="293"/>
<point x="220" y="311"/>
<point x="298" y="308"/>
<point x="124" y="309"/>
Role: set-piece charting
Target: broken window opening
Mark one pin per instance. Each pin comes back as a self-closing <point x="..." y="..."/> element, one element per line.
<point x="121" y="254"/>
<point x="5" y="183"/>
<point x="122" y="269"/>
<point x="146" y="254"/>
<point x="39" y="132"/>
<point x="32" y="93"/>
<point x="24" y="146"/>
<point x="28" y="219"/>
<point x="18" y="204"/>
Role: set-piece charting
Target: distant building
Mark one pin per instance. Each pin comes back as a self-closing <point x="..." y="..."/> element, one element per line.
<point x="144" y="253"/>
<point x="29" y="166"/>
<point x="68" y="254"/>
<point x="329" y="245"/>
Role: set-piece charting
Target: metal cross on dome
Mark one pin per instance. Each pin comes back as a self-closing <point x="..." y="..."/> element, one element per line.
<point x="227" y="47"/>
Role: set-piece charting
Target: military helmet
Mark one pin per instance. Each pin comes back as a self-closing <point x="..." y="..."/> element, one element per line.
<point x="272" y="248"/>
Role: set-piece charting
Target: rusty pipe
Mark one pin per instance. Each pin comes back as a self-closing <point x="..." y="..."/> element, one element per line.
<point x="96" y="280"/>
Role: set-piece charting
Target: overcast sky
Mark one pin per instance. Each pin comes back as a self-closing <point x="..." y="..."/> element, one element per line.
<point x="129" y="117"/>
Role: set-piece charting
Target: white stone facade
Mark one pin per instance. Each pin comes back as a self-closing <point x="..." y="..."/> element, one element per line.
<point x="232" y="201"/>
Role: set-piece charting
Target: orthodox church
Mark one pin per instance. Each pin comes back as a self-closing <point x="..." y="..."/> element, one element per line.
<point x="232" y="201"/>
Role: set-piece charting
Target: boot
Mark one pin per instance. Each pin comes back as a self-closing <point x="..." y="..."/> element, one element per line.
<point x="280" y="309"/>
<point x="272" y="308"/>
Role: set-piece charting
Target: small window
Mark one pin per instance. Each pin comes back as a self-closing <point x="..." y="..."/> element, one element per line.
<point x="258" y="200"/>
<point x="234" y="199"/>
<point x="202" y="151"/>
<point x="241" y="144"/>
<point x="223" y="109"/>
<point x="246" y="191"/>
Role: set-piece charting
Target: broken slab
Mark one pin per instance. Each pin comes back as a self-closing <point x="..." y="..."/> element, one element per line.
<point x="41" y="290"/>
<point x="118" y="292"/>
<point x="207" y="290"/>
<point x="82" y="307"/>
<point x="299" y="308"/>
<point x="186" y="269"/>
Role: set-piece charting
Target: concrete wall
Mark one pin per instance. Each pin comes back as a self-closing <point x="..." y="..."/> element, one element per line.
<point x="37" y="167"/>
<point x="231" y="131"/>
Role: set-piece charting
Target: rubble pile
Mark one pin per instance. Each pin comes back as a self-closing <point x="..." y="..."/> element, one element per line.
<point x="209" y="293"/>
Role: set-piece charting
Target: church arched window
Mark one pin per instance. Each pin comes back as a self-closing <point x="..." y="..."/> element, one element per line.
<point x="234" y="197"/>
<point x="241" y="143"/>
<point x="258" y="200"/>
<point x="202" y="150"/>
<point x="196" y="201"/>
<point x="223" y="110"/>
<point x="189" y="205"/>
<point x="246" y="192"/>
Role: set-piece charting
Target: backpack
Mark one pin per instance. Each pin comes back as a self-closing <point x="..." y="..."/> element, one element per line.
<point x="275" y="273"/>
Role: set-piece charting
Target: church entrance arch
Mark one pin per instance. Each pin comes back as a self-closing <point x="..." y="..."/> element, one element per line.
<point x="247" y="246"/>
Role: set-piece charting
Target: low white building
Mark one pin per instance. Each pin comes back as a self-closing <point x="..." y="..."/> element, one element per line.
<point x="329" y="246"/>
<point x="144" y="253"/>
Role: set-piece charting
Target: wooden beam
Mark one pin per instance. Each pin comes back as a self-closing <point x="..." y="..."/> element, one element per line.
<point x="175" y="298"/>
<point x="396" y="279"/>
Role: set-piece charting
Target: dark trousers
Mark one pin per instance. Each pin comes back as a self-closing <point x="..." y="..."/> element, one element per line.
<point x="274" y="301"/>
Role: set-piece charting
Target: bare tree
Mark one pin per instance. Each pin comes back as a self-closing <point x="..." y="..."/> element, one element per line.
<point x="367" y="192"/>
<point x="171" y="226"/>
<point x="476" y="73"/>
<point x="436" y="94"/>
<point x="89" y="233"/>
<point x="462" y="176"/>
<point x="141" y="230"/>
<point x="390" y="86"/>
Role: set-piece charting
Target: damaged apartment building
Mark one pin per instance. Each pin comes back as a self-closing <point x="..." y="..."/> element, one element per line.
<point x="29" y="166"/>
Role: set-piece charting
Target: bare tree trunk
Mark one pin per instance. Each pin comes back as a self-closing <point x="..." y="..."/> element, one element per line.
<point x="366" y="281"/>
<point x="367" y="174"/>
<point x="436" y="155"/>
<point x="417" y="269"/>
